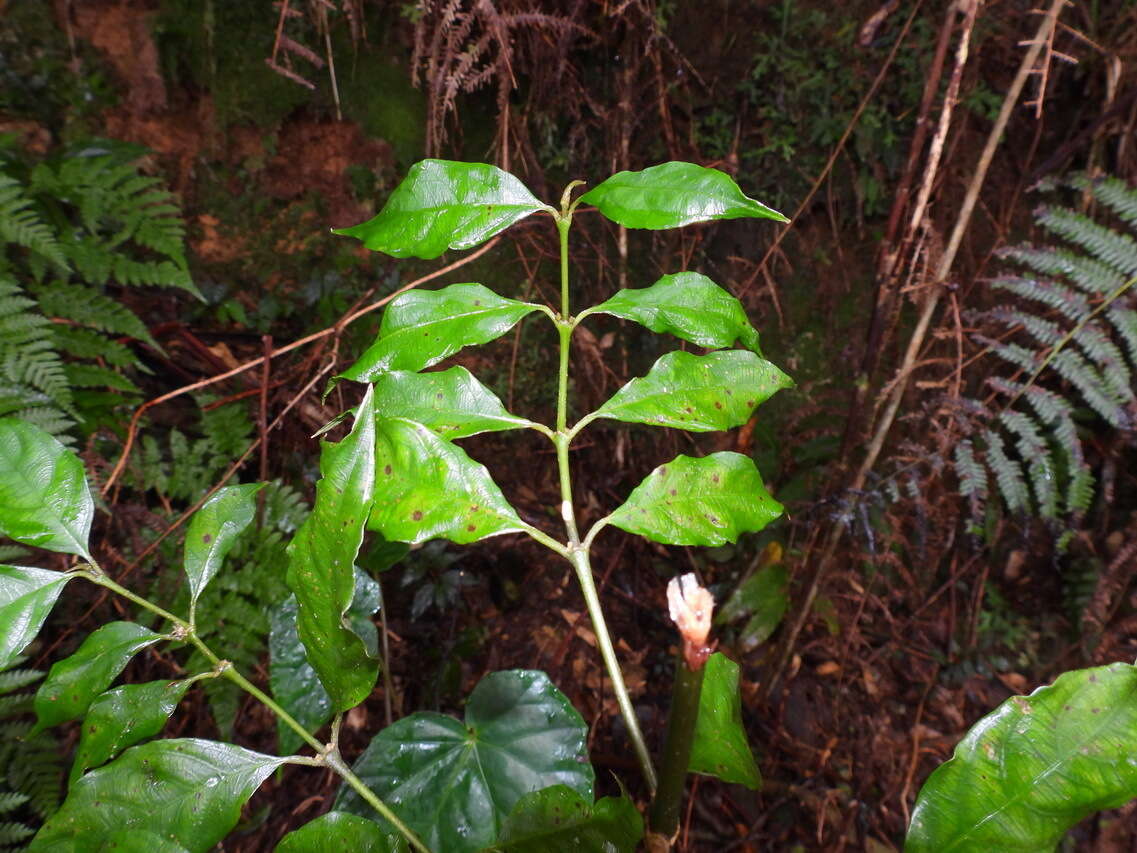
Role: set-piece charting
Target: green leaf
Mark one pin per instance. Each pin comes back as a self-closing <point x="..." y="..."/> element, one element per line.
<point x="429" y="488"/>
<point x="451" y="402"/>
<point x="338" y="832"/>
<point x="75" y="681"/>
<point x="720" y="748"/>
<point x="130" y="841"/>
<point x="700" y="393"/>
<point x="688" y="305"/>
<point x="26" y="598"/>
<point x="191" y="791"/>
<point x="454" y="783"/>
<point x="122" y="717"/>
<point x="707" y="501"/>
<point x="321" y="560"/>
<point x="559" y="820"/>
<point x="422" y="327"/>
<point x="764" y="598"/>
<point x="672" y="195"/>
<point x="1034" y="767"/>
<point x="44" y="499"/>
<point x="442" y="204"/>
<point x="213" y="531"/>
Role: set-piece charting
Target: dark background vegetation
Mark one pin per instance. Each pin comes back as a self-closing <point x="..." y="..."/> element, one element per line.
<point x="922" y="616"/>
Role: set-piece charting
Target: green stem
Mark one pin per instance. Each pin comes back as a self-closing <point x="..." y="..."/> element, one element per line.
<point x="334" y="761"/>
<point x="563" y="225"/>
<point x="665" y="808"/>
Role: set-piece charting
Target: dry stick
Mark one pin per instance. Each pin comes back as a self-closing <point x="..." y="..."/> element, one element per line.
<point x="249" y="365"/>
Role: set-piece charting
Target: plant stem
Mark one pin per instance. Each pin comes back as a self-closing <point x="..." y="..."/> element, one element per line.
<point x="336" y="762"/>
<point x="664" y="815"/>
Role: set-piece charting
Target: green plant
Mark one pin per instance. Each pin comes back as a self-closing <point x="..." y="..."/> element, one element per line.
<point x="515" y="775"/>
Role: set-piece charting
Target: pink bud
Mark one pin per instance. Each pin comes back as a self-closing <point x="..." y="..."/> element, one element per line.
<point x="691" y="608"/>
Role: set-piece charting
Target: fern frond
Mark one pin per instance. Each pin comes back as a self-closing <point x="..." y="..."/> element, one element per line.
<point x="1051" y="293"/>
<point x="1040" y="467"/>
<point x="22" y="225"/>
<point x="94" y="376"/>
<point x="1074" y="368"/>
<point x="1114" y="193"/>
<point x="1116" y="249"/>
<point x="88" y="307"/>
<point x="1008" y="473"/>
<point x="1091" y="275"/>
<point x="10" y="800"/>
<point x="88" y="344"/>
<point x="1124" y="322"/>
<point x="972" y="475"/>
<point x="13" y="833"/>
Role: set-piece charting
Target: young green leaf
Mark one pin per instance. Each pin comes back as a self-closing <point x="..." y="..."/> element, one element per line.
<point x="1034" y="767"/>
<point x="455" y="783"/>
<point x="26" y="598"/>
<point x="672" y="195"/>
<point x="720" y="748"/>
<point x="422" y="327"/>
<point x="44" y="499"/>
<point x="762" y="600"/>
<point x="688" y="305"/>
<point x="122" y="717"/>
<point x="443" y="204"/>
<point x="190" y="791"/>
<point x="698" y="393"/>
<point x="213" y="531"/>
<point x="74" y="682"/>
<point x="559" y="820"/>
<point x="321" y="560"/>
<point x="340" y="832"/>
<point x="707" y="501"/>
<point x="429" y="488"/>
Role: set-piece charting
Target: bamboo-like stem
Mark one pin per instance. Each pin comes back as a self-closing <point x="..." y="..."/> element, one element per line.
<point x="680" y="737"/>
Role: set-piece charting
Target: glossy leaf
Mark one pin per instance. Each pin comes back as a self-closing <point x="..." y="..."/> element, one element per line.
<point x="443" y="204"/>
<point x="213" y="531"/>
<point x="190" y="791"/>
<point x="134" y="840"/>
<point x="26" y="598"/>
<point x="122" y="717"/>
<point x="688" y="305"/>
<point x="1034" y="767"/>
<point x="451" y="402"/>
<point x="422" y="327"/>
<point x="707" y="501"/>
<point x="44" y="498"/>
<point x="321" y="563"/>
<point x="559" y="820"/>
<point x="74" y="682"/>
<point x="339" y="832"/>
<point x="455" y="783"/>
<point x="720" y="747"/>
<point x="701" y="393"/>
<point x="672" y="195"/>
<point x="428" y="488"/>
<point x="761" y="599"/>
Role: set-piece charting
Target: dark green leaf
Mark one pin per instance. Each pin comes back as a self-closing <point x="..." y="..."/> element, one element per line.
<point x="134" y="840"/>
<point x="442" y="204"/>
<point x="75" y="681"/>
<point x="213" y="531"/>
<point x="44" y="499"/>
<point x="190" y="791"/>
<point x="559" y="820"/>
<point x="672" y="195"/>
<point x="422" y="327"/>
<point x="720" y="748"/>
<point x="700" y="393"/>
<point x="455" y="783"/>
<point x="688" y="305"/>
<point x="122" y="717"/>
<point x="321" y="561"/>
<point x="1034" y="767"/>
<point x="26" y="598"/>
<point x="762" y="600"/>
<point x="429" y="488"/>
<point x="708" y="501"/>
<point x="339" y="832"/>
<point x="451" y="402"/>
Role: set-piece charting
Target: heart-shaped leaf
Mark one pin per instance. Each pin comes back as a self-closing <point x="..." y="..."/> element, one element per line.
<point x="720" y="748"/>
<point x="450" y="402"/>
<point x="762" y="600"/>
<point x="672" y="195"/>
<point x="429" y="488"/>
<point x="44" y="499"/>
<point x="1034" y="767"/>
<point x="698" y="393"/>
<point x="454" y="783"/>
<point x="213" y="531"/>
<point x="190" y="791"/>
<point x="688" y="305"/>
<point x="321" y="563"/>
<point x="337" y="832"/>
<point x="559" y="820"/>
<point x="122" y="717"/>
<point x="707" y="501"/>
<point x="422" y="327"/>
<point x="443" y="204"/>
<point x="74" y="682"/>
<point x="26" y="598"/>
